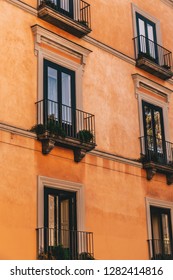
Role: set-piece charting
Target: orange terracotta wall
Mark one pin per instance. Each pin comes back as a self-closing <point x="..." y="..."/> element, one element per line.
<point x="114" y="191"/>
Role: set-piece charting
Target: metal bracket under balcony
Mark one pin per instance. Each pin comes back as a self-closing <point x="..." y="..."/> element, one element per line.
<point x="76" y="22"/>
<point x="64" y="126"/>
<point x="153" y="58"/>
<point x="157" y="159"/>
<point x="79" y="149"/>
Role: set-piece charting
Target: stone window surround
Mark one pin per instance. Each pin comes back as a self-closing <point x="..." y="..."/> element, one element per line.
<point x="62" y="185"/>
<point x="157" y="203"/>
<point x="156" y="90"/>
<point x="68" y="48"/>
<point x="135" y="9"/>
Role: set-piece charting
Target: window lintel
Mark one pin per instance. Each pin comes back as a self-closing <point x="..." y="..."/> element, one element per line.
<point x="43" y="35"/>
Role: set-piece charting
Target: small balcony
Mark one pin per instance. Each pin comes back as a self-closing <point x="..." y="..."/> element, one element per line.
<point x="55" y="244"/>
<point x="157" y="156"/>
<point x="61" y="125"/>
<point x="71" y="16"/>
<point x="160" y="249"/>
<point x="153" y="58"/>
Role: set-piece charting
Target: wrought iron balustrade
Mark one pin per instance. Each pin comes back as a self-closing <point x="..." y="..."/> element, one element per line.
<point x="156" y="150"/>
<point x="149" y="49"/>
<point x="81" y="13"/>
<point x="153" y="58"/>
<point x="65" y="244"/>
<point x="71" y="120"/>
<point x="160" y="249"/>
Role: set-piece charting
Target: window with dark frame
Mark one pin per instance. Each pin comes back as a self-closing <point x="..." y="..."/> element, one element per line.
<point x="161" y="233"/>
<point x="147" y="39"/>
<point x="59" y="96"/>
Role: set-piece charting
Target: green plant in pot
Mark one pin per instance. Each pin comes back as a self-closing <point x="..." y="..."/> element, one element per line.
<point x="85" y="256"/>
<point x="85" y="136"/>
<point x="53" y="127"/>
<point x="38" y="129"/>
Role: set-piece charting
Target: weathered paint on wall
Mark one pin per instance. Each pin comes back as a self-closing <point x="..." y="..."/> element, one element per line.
<point x="115" y="191"/>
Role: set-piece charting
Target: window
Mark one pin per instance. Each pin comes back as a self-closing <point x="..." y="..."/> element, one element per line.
<point x="150" y="55"/>
<point x="60" y="222"/>
<point x="155" y="145"/>
<point x="59" y="94"/>
<point x="146" y="34"/>
<point x="65" y="7"/>
<point x="161" y="232"/>
<point x="160" y="225"/>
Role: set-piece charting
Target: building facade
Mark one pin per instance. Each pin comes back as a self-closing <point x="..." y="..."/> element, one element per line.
<point x="86" y="130"/>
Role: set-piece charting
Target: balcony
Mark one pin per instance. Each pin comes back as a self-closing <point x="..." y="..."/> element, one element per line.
<point x="160" y="249"/>
<point x="74" y="18"/>
<point x="153" y="58"/>
<point x="55" y="244"/>
<point x="61" y="125"/>
<point x="157" y="156"/>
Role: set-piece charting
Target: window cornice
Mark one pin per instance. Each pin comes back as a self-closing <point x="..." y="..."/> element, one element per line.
<point x="58" y="42"/>
<point x="141" y="81"/>
<point x="168" y="2"/>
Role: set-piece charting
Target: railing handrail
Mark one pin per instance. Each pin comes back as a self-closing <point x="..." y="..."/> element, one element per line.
<point x="77" y="244"/>
<point x="157" y="150"/>
<point x="169" y="52"/>
<point x="68" y="230"/>
<point x="70" y="107"/>
<point x="163" y="140"/>
<point x="82" y="11"/>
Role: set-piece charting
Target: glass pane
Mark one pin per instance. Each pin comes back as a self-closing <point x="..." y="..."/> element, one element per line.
<point x="142" y="38"/>
<point x="51" y="220"/>
<point x="151" y="42"/>
<point x="66" y="98"/>
<point x="52" y="92"/>
<point x="64" y="4"/>
<point x="65" y="223"/>
<point x="149" y="127"/>
<point x="156" y="226"/>
<point x="166" y="234"/>
<point x="158" y="131"/>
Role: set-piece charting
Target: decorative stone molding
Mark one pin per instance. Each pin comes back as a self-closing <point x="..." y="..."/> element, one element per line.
<point x="116" y="158"/>
<point x="62" y="185"/>
<point x="17" y="130"/>
<point x="51" y="39"/>
<point x="109" y="49"/>
<point x="143" y="82"/>
<point x="23" y="6"/>
<point x="168" y="2"/>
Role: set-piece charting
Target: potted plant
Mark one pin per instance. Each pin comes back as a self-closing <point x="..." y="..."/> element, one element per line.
<point x="53" y="128"/>
<point x="85" y="136"/>
<point x="85" y="256"/>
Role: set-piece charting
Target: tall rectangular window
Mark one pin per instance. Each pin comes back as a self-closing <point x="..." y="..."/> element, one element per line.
<point x="161" y="233"/>
<point x="147" y="40"/>
<point x="59" y="95"/>
<point x="154" y="137"/>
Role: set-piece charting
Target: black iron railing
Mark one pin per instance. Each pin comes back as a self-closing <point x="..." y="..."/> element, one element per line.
<point x="146" y="48"/>
<point x="80" y="13"/>
<point x="75" y="123"/>
<point x="156" y="150"/>
<point x="63" y="244"/>
<point x="160" y="249"/>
